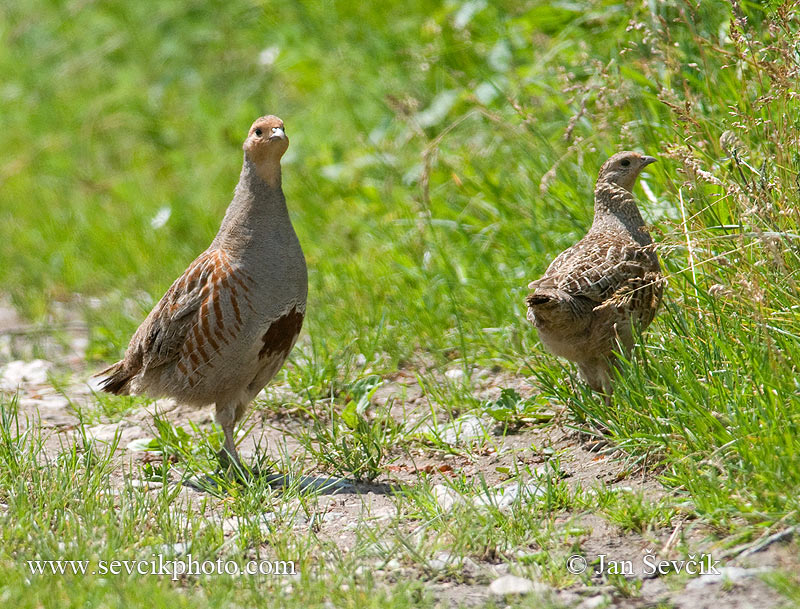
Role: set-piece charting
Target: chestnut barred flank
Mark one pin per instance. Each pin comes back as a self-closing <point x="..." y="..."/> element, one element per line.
<point x="282" y="333"/>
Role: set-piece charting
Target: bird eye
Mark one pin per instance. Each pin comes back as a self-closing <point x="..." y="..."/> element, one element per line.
<point x="258" y="132"/>
<point x="625" y="162"/>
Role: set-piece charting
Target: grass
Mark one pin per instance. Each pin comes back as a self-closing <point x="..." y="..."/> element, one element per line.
<point x="347" y="442"/>
<point x="441" y="155"/>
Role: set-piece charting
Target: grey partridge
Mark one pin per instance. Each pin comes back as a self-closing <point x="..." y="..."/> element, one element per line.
<point x="224" y="328"/>
<point x="595" y="295"/>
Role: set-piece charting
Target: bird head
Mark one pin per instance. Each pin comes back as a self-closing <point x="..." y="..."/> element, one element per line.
<point x="623" y="168"/>
<point x="265" y="145"/>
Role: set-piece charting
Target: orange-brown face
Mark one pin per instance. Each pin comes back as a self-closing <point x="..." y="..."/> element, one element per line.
<point x="266" y="140"/>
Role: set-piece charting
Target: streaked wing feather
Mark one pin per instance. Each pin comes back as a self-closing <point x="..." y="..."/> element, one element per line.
<point x="595" y="269"/>
<point x="164" y="335"/>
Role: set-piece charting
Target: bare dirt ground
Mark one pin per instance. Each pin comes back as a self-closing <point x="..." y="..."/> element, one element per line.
<point x="30" y="360"/>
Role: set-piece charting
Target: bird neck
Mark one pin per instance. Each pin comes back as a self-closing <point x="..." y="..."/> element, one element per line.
<point x="267" y="168"/>
<point x="258" y="207"/>
<point x="257" y="177"/>
<point x="614" y="206"/>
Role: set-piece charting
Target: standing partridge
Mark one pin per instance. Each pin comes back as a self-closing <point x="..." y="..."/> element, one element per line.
<point x="595" y="293"/>
<point x="225" y="327"/>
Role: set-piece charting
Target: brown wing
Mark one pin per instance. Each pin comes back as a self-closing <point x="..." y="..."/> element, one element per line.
<point x="200" y="313"/>
<point x="595" y="269"/>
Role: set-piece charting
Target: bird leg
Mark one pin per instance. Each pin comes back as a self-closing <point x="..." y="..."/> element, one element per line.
<point x="228" y="457"/>
<point x="597" y="374"/>
<point x="608" y="389"/>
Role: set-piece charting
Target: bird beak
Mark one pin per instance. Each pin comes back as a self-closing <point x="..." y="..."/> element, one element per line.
<point x="277" y="134"/>
<point x="646" y="160"/>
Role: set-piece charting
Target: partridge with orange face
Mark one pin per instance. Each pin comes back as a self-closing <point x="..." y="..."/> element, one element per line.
<point x="595" y="293"/>
<point x="225" y="327"/>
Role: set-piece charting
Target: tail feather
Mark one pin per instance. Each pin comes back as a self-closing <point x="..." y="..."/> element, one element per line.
<point x="543" y="296"/>
<point x="540" y="306"/>
<point x="534" y="299"/>
<point x="553" y="306"/>
<point x="118" y="379"/>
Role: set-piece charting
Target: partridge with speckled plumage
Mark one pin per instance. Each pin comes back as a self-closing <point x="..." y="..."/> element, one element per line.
<point x="224" y="328"/>
<point x="595" y="295"/>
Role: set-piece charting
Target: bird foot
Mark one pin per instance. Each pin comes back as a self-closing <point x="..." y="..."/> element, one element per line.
<point x="216" y="484"/>
<point x="233" y="467"/>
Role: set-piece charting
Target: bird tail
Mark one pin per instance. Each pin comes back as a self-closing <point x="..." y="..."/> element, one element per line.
<point x="544" y="291"/>
<point x="118" y="379"/>
<point x="550" y="305"/>
<point x="542" y="297"/>
<point x="535" y="300"/>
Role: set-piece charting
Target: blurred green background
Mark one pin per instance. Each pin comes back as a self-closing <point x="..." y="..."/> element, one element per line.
<point x="441" y="154"/>
<point x="419" y="138"/>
